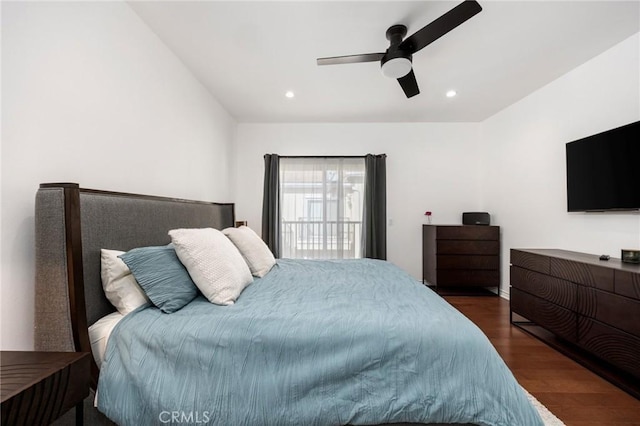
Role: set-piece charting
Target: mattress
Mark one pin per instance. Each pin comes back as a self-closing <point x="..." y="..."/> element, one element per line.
<point x="99" y="334"/>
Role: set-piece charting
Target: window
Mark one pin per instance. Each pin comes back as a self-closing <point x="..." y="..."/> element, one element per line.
<point x="321" y="207"/>
<point x="325" y="207"/>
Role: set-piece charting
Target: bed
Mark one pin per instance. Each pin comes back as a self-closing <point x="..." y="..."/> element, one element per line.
<point x="311" y="342"/>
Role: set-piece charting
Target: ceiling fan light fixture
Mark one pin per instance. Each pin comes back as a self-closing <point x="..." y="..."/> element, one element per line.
<point x="396" y="61"/>
<point x="396" y="67"/>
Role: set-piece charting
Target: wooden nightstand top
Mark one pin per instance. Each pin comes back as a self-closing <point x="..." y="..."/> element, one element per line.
<point x="38" y="387"/>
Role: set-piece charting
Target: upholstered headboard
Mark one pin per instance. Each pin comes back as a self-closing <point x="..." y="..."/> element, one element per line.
<point x="72" y="225"/>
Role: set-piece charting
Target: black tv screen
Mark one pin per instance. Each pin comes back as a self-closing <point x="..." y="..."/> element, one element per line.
<point x="603" y="171"/>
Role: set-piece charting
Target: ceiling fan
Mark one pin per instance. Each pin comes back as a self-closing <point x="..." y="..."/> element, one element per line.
<point x="396" y="61"/>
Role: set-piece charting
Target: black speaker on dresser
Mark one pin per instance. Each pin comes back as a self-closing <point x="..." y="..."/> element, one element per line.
<point x="476" y="218"/>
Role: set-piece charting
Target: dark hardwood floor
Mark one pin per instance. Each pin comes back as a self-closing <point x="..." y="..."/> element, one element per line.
<point x="571" y="392"/>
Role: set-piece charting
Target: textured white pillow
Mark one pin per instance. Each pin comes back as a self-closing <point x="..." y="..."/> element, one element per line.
<point x="214" y="263"/>
<point x="253" y="249"/>
<point x="120" y="287"/>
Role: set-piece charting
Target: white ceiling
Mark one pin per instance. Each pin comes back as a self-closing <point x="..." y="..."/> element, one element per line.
<point x="248" y="54"/>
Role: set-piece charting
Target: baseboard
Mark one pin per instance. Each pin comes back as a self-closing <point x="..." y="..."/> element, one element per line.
<point x="504" y="294"/>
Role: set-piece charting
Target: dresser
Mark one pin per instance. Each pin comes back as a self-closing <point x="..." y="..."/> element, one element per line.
<point x="461" y="256"/>
<point x="586" y="307"/>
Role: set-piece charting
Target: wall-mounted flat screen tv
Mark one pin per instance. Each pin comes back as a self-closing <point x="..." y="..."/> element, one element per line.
<point x="603" y="171"/>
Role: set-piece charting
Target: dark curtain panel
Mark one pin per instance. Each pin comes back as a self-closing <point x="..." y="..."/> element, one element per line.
<point x="374" y="223"/>
<point x="271" y="204"/>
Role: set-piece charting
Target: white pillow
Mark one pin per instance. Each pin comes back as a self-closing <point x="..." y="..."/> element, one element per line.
<point x="253" y="249"/>
<point x="120" y="287"/>
<point x="214" y="263"/>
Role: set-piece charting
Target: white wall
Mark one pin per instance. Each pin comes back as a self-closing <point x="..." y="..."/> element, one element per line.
<point x="430" y="166"/>
<point x="523" y="172"/>
<point x="90" y="95"/>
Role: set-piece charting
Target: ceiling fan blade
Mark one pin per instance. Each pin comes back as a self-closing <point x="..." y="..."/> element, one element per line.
<point x="351" y="59"/>
<point x="409" y="84"/>
<point x="436" y="29"/>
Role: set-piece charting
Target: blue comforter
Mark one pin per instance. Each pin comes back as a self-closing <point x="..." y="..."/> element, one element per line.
<point x="311" y="343"/>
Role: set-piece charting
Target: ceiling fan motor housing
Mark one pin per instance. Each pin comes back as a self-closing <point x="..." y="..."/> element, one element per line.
<point x="396" y="62"/>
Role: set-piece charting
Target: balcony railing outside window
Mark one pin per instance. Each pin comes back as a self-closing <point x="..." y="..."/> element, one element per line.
<point x="321" y="240"/>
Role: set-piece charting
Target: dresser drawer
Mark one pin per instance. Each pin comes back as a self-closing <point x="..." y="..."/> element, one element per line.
<point x="534" y="262"/>
<point x="452" y="261"/>
<point x="616" y="347"/>
<point x="461" y="277"/>
<point x="554" y="318"/>
<point x="582" y="273"/>
<point x="555" y="290"/>
<point x="618" y="311"/>
<point x="467" y="247"/>
<point x="627" y="283"/>
<point x="468" y="232"/>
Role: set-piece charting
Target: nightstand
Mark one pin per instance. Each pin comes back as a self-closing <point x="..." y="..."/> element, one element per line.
<point x="38" y="387"/>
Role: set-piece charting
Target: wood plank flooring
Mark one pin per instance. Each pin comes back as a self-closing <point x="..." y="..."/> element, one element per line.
<point x="574" y="394"/>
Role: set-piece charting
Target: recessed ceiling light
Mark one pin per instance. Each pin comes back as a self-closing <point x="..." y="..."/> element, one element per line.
<point x="451" y="93"/>
<point x="289" y="94"/>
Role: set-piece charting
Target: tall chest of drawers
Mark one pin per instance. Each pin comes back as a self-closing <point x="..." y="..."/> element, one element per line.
<point x="461" y="256"/>
<point x="591" y="305"/>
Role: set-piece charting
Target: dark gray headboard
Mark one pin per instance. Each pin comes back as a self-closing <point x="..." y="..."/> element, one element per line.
<point x="72" y="225"/>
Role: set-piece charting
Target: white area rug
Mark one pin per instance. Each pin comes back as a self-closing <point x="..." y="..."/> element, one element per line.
<point x="548" y="417"/>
